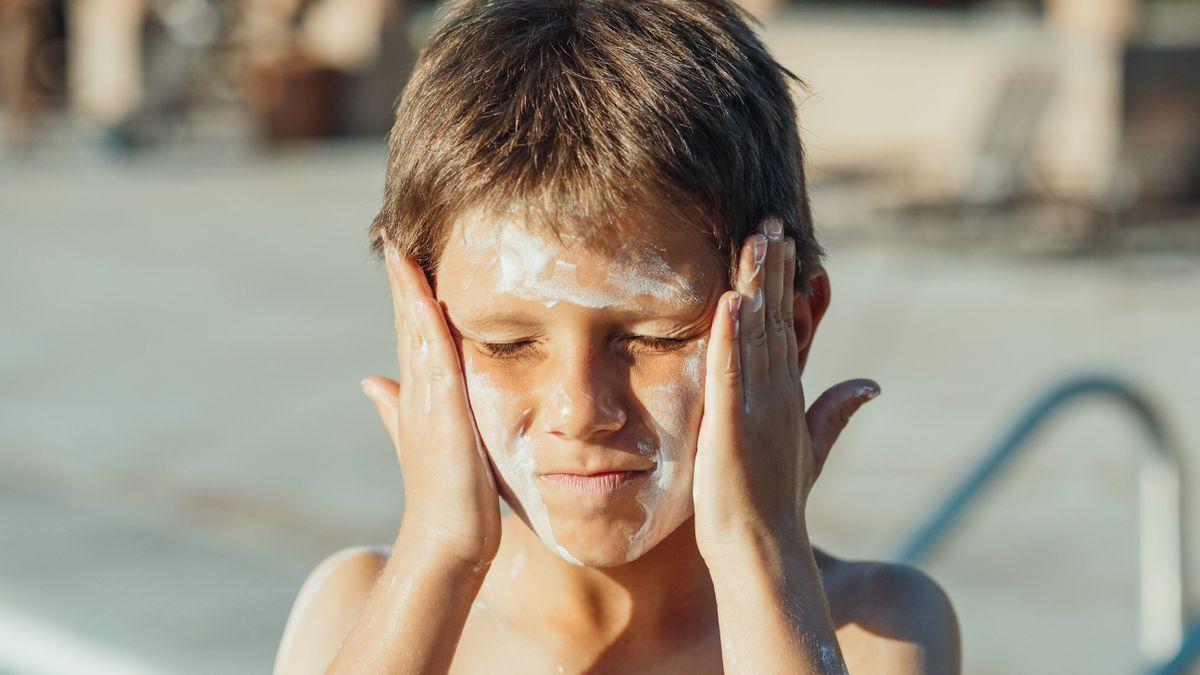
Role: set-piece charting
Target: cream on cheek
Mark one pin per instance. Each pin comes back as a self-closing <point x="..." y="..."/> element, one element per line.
<point x="674" y="410"/>
<point x="511" y="449"/>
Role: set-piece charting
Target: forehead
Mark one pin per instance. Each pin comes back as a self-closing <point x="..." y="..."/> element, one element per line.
<point x="650" y="268"/>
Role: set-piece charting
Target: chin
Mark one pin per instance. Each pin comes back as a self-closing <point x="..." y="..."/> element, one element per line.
<point x="610" y="542"/>
<point x="597" y="542"/>
<point x="605" y="530"/>
<point x="599" y="556"/>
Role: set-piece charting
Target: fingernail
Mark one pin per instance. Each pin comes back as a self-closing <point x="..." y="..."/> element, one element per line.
<point x="367" y="387"/>
<point x="774" y="229"/>
<point x="735" y="305"/>
<point x="867" y="392"/>
<point x="760" y="252"/>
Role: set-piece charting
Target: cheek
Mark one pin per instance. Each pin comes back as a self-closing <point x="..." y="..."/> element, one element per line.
<point x="494" y="407"/>
<point x="675" y="406"/>
<point x="499" y="419"/>
<point x="674" y="399"/>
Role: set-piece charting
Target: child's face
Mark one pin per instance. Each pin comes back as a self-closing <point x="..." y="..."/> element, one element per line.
<point x="585" y="373"/>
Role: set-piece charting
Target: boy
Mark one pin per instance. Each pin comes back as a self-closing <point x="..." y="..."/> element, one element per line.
<point x="606" y="284"/>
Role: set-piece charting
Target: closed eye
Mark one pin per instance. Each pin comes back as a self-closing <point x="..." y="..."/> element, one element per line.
<point x="520" y="348"/>
<point x="659" y="343"/>
<point x="506" y="350"/>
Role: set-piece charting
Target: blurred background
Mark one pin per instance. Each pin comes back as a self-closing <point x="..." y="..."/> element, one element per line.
<point x="1009" y="191"/>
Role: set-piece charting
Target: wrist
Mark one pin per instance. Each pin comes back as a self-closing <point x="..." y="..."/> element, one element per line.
<point x="764" y="570"/>
<point x="758" y="548"/>
<point x="429" y="552"/>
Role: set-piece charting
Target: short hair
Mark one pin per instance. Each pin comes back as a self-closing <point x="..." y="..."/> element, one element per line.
<point x="596" y="114"/>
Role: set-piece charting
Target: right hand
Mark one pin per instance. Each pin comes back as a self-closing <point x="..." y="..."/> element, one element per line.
<point x="450" y="497"/>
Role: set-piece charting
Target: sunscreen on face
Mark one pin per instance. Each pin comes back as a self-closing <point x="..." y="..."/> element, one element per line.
<point x="531" y="267"/>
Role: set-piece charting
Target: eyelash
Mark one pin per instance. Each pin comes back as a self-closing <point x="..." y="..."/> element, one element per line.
<point x="503" y="350"/>
<point x="511" y="350"/>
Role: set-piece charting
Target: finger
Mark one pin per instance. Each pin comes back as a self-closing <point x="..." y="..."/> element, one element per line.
<point x="394" y="264"/>
<point x="773" y="287"/>
<point x="438" y="373"/>
<point x="385" y="393"/>
<point x="413" y="286"/>
<point x="830" y="413"/>
<point x="723" y="372"/>
<point x="414" y="281"/>
<point x="752" y="325"/>
<point x="787" y="308"/>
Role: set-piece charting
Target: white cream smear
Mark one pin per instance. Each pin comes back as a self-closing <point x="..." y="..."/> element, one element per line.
<point x="666" y="498"/>
<point x="530" y="270"/>
<point x="512" y="452"/>
<point x="526" y="266"/>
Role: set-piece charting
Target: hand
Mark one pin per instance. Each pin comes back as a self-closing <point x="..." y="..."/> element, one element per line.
<point x="758" y="453"/>
<point x="450" y="498"/>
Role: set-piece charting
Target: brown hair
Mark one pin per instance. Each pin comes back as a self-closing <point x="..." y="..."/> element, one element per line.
<point x="596" y="115"/>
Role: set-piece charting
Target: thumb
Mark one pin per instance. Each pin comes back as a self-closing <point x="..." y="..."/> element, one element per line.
<point x="830" y="413"/>
<point x="385" y="394"/>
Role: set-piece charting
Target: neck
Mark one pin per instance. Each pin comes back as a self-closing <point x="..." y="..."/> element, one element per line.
<point x="666" y="594"/>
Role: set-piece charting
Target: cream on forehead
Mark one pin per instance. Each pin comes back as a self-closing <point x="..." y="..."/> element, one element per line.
<point x="533" y="267"/>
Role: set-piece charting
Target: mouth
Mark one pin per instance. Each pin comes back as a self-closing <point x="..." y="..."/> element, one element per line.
<point x="600" y="483"/>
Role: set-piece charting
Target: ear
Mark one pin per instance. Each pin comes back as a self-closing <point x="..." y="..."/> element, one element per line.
<point x="807" y="310"/>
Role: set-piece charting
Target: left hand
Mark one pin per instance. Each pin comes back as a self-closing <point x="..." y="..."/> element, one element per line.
<point x="758" y="452"/>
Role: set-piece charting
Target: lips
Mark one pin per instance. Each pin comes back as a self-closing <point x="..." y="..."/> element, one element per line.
<point x="597" y="483"/>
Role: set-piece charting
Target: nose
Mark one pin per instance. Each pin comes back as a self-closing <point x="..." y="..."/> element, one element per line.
<point x="581" y="404"/>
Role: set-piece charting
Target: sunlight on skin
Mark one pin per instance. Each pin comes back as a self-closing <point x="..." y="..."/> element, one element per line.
<point x="589" y="401"/>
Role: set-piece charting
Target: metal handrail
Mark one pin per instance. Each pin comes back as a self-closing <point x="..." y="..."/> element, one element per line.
<point x="1188" y="653"/>
<point x="1160" y="524"/>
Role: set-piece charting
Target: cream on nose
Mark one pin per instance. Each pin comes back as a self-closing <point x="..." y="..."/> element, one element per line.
<point x="579" y="408"/>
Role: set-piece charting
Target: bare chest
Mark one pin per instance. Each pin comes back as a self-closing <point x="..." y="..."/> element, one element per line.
<point x="490" y="644"/>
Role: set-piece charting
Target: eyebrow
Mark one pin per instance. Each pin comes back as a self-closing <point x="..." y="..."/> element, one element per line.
<point x="691" y="313"/>
<point x="487" y="320"/>
<point x="492" y="319"/>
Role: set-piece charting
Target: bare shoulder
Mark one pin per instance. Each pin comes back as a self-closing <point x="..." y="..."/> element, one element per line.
<point x="891" y="618"/>
<point x="326" y="607"/>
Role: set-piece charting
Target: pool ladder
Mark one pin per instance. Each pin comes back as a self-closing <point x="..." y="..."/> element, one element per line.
<point x="1167" y="648"/>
